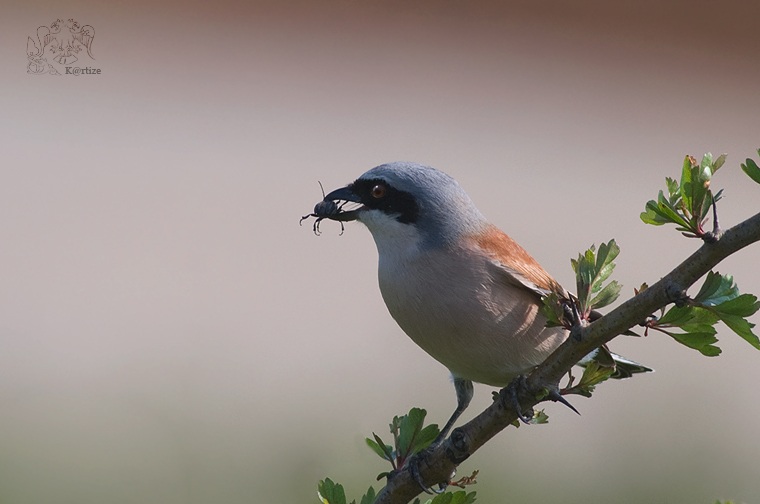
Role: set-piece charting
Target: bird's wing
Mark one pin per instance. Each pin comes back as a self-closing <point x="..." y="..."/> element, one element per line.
<point x="514" y="265"/>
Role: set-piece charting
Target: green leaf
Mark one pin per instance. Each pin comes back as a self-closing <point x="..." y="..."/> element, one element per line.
<point x="716" y="289"/>
<point x="604" y="265"/>
<point x="702" y="341"/>
<point x="539" y="418"/>
<point x="719" y="162"/>
<point x="707" y="161"/>
<point x="750" y="168"/>
<point x="732" y="312"/>
<point x="552" y="309"/>
<point x="593" y="375"/>
<point x="607" y="296"/>
<point x="695" y="191"/>
<point x="686" y="181"/>
<point x="709" y="286"/>
<point x="591" y="270"/>
<point x="744" y="305"/>
<point x="426" y="436"/>
<point x="691" y="316"/>
<point x="674" y="189"/>
<point x="697" y="326"/>
<point x="377" y="445"/>
<point x="369" y="497"/>
<point x="651" y="217"/>
<point x="409" y="426"/>
<point x="412" y="437"/>
<point x="662" y="212"/>
<point x="458" y="497"/>
<point x="330" y="492"/>
<point x="742" y="327"/>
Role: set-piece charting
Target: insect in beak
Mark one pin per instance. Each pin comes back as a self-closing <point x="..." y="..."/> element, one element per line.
<point x="328" y="209"/>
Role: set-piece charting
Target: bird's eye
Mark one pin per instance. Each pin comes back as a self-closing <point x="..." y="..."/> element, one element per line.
<point x="378" y="191"/>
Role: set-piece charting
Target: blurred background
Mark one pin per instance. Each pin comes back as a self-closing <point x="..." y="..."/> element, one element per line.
<point x="168" y="332"/>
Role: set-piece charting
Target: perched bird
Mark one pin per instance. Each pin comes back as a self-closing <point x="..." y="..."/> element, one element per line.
<point x="458" y="286"/>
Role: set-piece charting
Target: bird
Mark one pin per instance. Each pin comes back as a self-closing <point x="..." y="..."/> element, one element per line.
<point x="461" y="288"/>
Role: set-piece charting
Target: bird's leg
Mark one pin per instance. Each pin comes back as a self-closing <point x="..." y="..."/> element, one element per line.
<point x="464" y="392"/>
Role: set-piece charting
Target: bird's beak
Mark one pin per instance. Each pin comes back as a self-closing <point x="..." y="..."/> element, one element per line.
<point x="341" y="196"/>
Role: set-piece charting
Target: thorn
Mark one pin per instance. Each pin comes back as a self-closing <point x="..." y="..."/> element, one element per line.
<point x="577" y="329"/>
<point x="557" y="397"/>
<point x="716" y="225"/>
<point x="714" y="235"/>
<point x="570" y="307"/>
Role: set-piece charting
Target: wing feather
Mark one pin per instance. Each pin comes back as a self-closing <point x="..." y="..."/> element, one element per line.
<point x="514" y="265"/>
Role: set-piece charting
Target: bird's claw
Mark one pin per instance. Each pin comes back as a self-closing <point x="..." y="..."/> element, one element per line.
<point x="509" y="397"/>
<point x="414" y="471"/>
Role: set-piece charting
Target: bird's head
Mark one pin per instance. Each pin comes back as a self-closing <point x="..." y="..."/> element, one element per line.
<point x="404" y="201"/>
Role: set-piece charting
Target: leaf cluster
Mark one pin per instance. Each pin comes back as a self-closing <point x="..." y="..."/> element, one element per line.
<point x="593" y="374"/>
<point x="718" y="300"/>
<point x="330" y="492"/>
<point x="553" y="308"/>
<point x="592" y="269"/>
<point x="410" y="436"/>
<point x="691" y="321"/>
<point x="688" y="201"/>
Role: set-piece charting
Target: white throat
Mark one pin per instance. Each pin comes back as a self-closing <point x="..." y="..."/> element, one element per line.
<point x="396" y="242"/>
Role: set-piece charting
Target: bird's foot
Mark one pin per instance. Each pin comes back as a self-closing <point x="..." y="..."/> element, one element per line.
<point x="413" y="463"/>
<point x="509" y="397"/>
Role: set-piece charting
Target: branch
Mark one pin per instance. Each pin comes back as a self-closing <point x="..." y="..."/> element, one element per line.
<point x="439" y="464"/>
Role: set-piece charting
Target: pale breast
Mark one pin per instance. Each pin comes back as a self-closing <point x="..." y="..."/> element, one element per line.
<point x="480" y="328"/>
